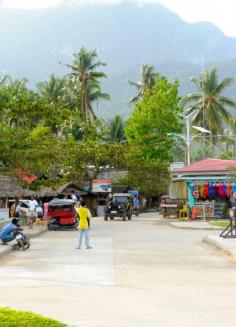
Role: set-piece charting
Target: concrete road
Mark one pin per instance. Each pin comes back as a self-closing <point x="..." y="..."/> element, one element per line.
<point x="139" y="273"/>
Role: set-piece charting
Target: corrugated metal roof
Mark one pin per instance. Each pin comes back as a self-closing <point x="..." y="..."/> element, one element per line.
<point x="207" y="165"/>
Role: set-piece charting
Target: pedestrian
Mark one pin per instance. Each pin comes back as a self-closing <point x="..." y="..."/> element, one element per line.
<point x="84" y="217"/>
<point x="33" y="203"/>
<point x="73" y="196"/>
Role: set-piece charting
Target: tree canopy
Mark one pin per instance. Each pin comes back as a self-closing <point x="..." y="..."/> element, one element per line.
<point x="52" y="130"/>
<point x="147" y="132"/>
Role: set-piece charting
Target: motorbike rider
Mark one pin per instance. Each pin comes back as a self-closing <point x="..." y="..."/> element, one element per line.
<point x="6" y="234"/>
<point x="136" y="203"/>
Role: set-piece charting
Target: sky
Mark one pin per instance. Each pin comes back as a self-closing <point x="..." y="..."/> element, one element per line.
<point x="222" y="13"/>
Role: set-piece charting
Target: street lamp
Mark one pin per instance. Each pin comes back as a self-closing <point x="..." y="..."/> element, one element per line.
<point x="188" y="138"/>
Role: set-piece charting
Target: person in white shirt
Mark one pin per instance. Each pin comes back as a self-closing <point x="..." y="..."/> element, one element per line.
<point x="32" y="210"/>
<point x="73" y="196"/>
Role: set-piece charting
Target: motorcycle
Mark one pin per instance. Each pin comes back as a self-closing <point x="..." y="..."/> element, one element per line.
<point x="22" y="241"/>
<point x="136" y="210"/>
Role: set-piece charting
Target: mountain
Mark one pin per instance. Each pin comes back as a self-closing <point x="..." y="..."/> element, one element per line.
<point x="125" y="35"/>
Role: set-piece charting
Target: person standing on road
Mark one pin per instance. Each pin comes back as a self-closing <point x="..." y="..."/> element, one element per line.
<point x="32" y="211"/>
<point x="84" y="217"/>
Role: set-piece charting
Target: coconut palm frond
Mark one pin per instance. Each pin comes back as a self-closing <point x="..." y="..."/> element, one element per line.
<point x="212" y="105"/>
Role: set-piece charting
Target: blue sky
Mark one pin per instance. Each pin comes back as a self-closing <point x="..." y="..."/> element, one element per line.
<point x="220" y="12"/>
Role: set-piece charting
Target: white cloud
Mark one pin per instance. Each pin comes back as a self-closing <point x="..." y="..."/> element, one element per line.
<point x="221" y="13"/>
<point x="39" y="4"/>
<point x="30" y="4"/>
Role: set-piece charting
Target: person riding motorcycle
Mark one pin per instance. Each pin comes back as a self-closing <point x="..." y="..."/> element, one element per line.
<point x="7" y="233"/>
<point x="136" y="204"/>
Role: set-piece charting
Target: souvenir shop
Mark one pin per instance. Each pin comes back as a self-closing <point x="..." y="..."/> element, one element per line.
<point x="210" y="199"/>
<point x="210" y="185"/>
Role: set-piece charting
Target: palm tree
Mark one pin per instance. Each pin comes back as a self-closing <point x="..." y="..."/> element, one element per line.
<point x="17" y="99"/>
<point x="212" y="106"/>
<point x="148" y="78"/>
<point x="3" y="80"/>
<point x="17" y="86"/>
<point x="116" y="126"/>
<point x="84" y="74"/>
<point x="53" y="90"/>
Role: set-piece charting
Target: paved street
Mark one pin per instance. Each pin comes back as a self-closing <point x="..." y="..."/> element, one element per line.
<point x="139" y="273"/>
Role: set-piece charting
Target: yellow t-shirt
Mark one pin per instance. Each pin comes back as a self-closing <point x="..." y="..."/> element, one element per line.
<point x="83" y="217"/>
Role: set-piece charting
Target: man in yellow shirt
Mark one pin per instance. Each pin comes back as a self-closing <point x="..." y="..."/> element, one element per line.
<point x="84" y="216"/>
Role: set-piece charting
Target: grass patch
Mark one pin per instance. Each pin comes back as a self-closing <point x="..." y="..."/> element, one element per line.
<point x="14" y="318"/>
<point x="220" y="223"/>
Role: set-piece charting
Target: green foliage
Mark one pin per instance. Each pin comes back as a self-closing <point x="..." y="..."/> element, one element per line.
<point x="85" y="78"/>
<point x="147" y="132"/>
<point x="93" y="155"/>
<point x="149" y="181"/>
<point x="150" y="123"/>
<point x="14" y="318"/>
<point x="148" y="79"/>
<point x="212" y="105"/>
<point x="116" y="129"/>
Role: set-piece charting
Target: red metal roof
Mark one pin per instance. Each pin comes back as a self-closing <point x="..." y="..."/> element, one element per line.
<point x="207" y="165"/>
<point x="29" y="179"/>
<point x="22" y="174"/>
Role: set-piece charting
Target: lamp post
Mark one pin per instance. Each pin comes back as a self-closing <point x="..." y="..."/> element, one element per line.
<point x="188" y="138"/>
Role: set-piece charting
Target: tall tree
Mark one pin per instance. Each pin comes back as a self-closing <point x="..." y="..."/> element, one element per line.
<point x="147" y="132"/>
<point x="148" y="78"/>
<point x="19" y="105"/>
<point x="116" y="126"/>
<point x="212" y="106"/>
<point x="84" y="73"/>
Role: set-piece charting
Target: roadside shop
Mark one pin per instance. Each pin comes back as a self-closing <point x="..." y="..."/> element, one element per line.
<point x="209" y="186"/>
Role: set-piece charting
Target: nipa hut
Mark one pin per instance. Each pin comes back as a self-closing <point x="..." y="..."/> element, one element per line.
<point x="64" y="190"/>
<point x="10" y="188"/>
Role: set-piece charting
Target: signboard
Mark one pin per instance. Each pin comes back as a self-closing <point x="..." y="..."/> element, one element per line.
<point x="177" y="165"/>
<point x="102" y="186"/>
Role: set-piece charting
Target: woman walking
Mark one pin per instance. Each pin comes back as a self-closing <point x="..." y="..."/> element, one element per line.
<point x="84" y="217"/>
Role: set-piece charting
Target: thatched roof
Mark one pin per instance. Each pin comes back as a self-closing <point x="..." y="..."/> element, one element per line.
<point x="60" y="190"/>
<point x="113" y="174"/>
<point x="9" y="187"/>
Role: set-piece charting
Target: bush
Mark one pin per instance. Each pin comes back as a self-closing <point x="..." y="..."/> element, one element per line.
<point x="14" y="318"/>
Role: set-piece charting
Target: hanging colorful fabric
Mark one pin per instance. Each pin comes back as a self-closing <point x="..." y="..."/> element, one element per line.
<point x="221" y="189"/>
<point x="205" y="190"/>
<point x="225" y="188"/>
<point x="192" y="187"/>
<point x="228" y="189"/>
<point x="233" y="187"/>
<point x="216" y="188"/>
<point x="212" y="192"/>
<point x="196" y="191"/>
<point x="201" y="190"/>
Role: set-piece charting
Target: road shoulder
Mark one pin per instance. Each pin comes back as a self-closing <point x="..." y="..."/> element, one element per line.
<point x="194" y="225"/>
<point x="31" y="233"/>
<point x="226" y="245"/>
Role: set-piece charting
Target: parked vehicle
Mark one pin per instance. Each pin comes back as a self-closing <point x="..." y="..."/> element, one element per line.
<point x="62" y="215"/>
<point x="25" y="209"/>
<point x="22" y="241"/>
<point x="119" y="205"/>
<point x="169" y="207"/>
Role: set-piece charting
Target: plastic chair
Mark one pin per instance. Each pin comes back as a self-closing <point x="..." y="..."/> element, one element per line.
<point x="183" y="213"/>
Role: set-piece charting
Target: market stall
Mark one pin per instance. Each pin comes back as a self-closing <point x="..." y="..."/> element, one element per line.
<point x="210" y="185"/>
